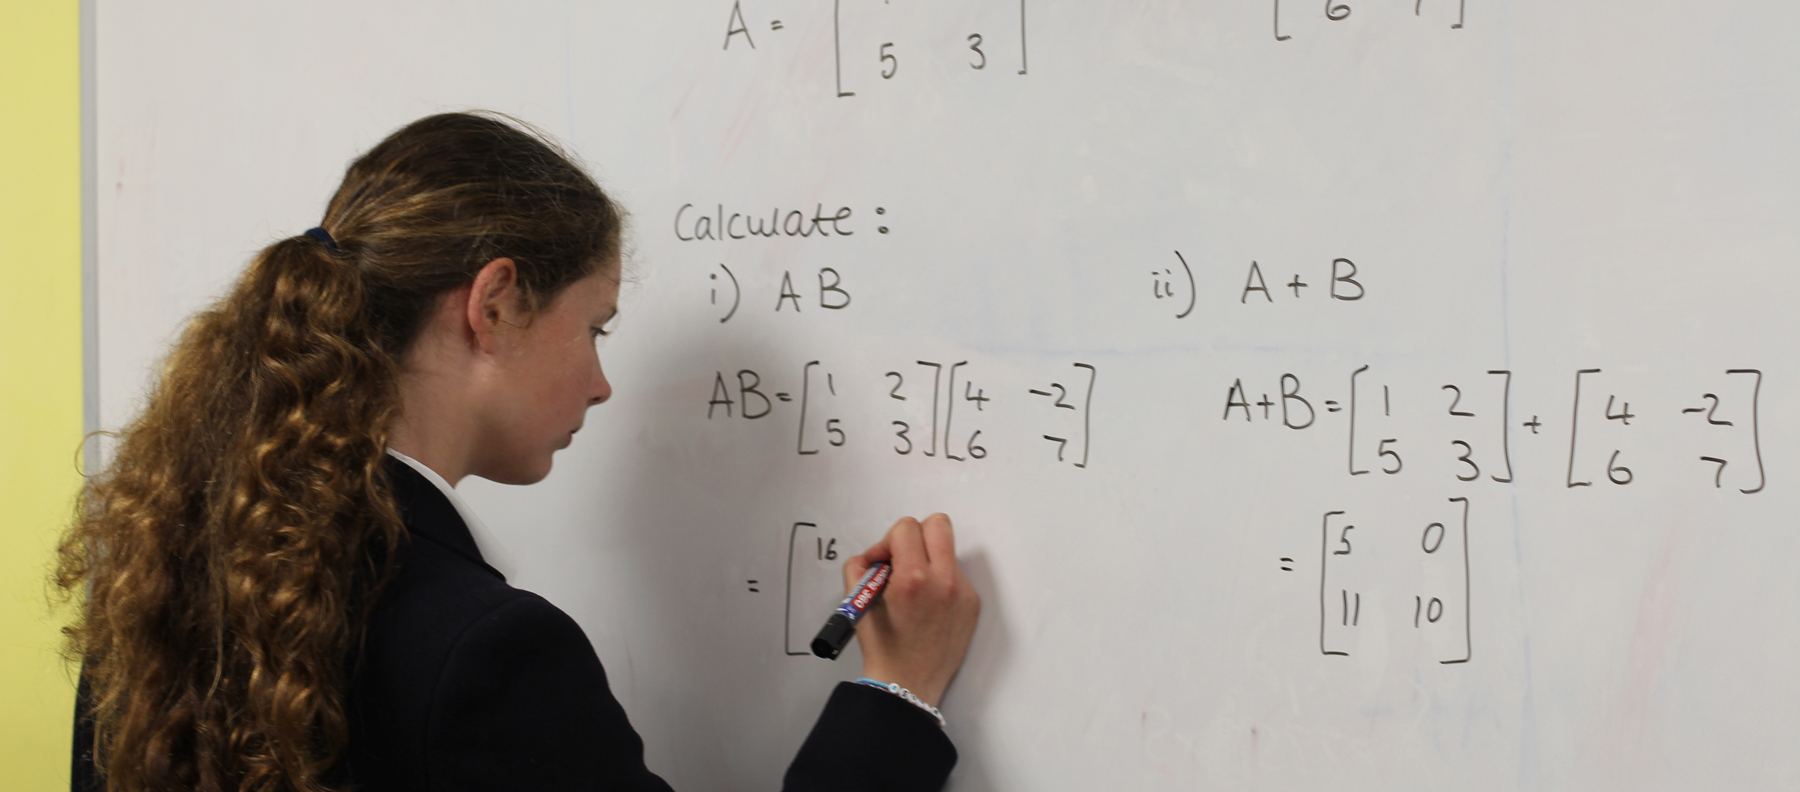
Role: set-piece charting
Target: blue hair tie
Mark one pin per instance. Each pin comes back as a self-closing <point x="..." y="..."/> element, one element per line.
<point x="324" y="238"/>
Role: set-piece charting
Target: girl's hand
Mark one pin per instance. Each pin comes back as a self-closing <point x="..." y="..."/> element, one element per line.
<point x="918" y="630"/>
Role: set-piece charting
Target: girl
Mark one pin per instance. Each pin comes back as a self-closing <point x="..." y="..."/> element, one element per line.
<point x="280" y="588"/>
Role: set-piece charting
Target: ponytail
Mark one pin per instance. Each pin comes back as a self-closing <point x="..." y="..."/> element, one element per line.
<point x="232" y="536"/>
<point x="233" y="549"/>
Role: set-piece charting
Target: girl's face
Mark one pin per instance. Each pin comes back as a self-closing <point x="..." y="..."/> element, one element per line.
<point x="548" y="375"/>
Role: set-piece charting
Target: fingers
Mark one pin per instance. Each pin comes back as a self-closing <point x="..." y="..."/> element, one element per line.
<point x="906" y="543"/>
<point x="879" y="552"/>
<point x="909" y="545"/>
<point x="854" y="568"/>
<point x="939" y="538"/>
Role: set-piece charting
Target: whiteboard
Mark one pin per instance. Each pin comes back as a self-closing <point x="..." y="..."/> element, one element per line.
<point x="1388" y="395"/>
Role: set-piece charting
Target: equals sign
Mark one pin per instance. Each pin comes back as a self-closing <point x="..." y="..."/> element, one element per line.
<point x="784" y="397"/>
<point x="754" y="588"/>
<point x="1287" y="565"/>
<point x="1331" y="406"/>
<point x="775" y="25"/>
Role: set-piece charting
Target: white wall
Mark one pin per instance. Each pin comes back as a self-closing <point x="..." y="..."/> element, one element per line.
<point x="1550" y="188"/>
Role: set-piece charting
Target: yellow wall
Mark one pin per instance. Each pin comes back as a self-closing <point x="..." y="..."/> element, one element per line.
<point x="40" y="374"/>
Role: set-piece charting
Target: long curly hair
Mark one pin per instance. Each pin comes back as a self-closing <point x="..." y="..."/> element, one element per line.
<point x="230" y="553"/>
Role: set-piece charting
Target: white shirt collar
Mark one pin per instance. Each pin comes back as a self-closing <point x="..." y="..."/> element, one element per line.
<point x="491" y="550"/>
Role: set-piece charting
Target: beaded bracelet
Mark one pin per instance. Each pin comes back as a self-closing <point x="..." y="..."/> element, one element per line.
<point x="894" y="688"/>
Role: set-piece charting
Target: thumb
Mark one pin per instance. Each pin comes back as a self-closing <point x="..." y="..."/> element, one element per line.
<point x="854" y="568"/>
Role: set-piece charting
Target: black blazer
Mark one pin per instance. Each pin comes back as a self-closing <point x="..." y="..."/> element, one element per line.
<point x="466" y="683"/>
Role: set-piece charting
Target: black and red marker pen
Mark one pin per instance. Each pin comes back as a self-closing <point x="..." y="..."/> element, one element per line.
<point x="842" y="624"/>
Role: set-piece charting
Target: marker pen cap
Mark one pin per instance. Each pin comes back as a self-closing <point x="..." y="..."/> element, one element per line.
<point x="842" y="624"/>
<point x="833" y="636"/>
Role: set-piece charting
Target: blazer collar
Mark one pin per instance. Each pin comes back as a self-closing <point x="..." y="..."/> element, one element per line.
<point x="429" y="515"/>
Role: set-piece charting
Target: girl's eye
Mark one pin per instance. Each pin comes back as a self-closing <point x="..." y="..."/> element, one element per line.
<point x="607" y="328"/>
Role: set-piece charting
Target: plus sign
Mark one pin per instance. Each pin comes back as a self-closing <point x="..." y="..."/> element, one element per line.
<point x="1265" y="404"/>
<point x="1296" y="285"/>
<point x="1533" y="423"/>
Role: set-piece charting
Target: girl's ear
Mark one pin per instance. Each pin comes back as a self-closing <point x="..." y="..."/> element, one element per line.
<point x="494" y="302"/>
